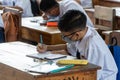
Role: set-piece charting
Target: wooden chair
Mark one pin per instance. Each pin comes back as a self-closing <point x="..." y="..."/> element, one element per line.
<point x="115" y="35"/>
<point x="12" y="20"/>
<point x="104" y="18"/>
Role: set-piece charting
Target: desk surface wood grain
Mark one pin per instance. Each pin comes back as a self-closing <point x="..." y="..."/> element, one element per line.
<point x="31" y="30"/>
<point x="110" y="3"/>
<point x="34" y="23"/>
<point x="13" y="65"/>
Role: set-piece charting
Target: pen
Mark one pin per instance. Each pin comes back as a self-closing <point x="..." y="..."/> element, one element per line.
<point x="62" y="69"/>
<point x="41" y="39"/>
<point x="35" y="71"/>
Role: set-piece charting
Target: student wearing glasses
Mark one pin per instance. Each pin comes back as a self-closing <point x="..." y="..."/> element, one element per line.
<point x="84" y="43"/>
<point x="52" y="10"/>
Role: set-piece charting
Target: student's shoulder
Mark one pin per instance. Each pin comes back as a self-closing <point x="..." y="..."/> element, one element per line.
<point x="68" y="2"/>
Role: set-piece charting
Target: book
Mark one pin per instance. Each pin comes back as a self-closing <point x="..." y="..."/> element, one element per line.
<point x="46" y="56"/>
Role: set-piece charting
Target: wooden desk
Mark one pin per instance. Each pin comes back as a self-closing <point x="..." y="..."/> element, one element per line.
<point x="31" y="31"/>
<point x="13" y="62"/>
<point x="110" y="3"/>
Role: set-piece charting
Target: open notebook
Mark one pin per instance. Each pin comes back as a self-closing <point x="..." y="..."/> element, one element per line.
<point x="47" y="56"/>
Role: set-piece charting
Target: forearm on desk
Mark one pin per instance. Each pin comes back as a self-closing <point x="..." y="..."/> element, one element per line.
<point x="65" y="52"/>
<point x="57" y="47"/>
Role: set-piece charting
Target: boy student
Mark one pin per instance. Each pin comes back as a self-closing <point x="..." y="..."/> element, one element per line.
<point x="84" y="42"/>
<point x="53" y="9"/>
<point x="85" y="3"/>
<point x="25" y="5"/>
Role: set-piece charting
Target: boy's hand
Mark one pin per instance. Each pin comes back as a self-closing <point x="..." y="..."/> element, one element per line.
<point x="45" y="16"/>
<point x="41" y="48"/>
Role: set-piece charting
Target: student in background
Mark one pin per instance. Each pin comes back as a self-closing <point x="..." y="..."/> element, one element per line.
<point x="24" y="4"/>
<point x="35" y="8"/>
<point x="53" y="9"/>
<point x="2" y="36"/>
<point x="85" y="3"/>
<point x="84" y="43"/>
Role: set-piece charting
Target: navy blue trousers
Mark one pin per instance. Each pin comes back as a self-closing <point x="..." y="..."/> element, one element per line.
<point x="2" y="36"/>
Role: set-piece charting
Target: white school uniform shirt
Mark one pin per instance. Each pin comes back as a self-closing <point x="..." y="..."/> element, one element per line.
<point x="94" y="49"/>
<point x="86" y="3"/>
<point x="66" y="5"/>
<point x="24" y="4"/>
<point x="1" y="22"/>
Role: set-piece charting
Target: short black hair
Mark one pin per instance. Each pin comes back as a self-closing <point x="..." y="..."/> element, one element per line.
<point x="47" y="4"/>
<point x="72" y="20"/>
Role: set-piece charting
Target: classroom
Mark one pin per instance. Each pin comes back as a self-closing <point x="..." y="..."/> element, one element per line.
<point x="59" y="39"/>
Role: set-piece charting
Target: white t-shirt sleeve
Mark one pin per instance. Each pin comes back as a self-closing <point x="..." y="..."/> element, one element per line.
<point x="73" y="5"/>
<point x="26" y="6"/>
<point x="1" y="21"/>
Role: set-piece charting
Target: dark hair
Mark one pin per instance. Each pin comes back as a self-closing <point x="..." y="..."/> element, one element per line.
<point x="47" y="4"/>
<point x="72" y="20"/>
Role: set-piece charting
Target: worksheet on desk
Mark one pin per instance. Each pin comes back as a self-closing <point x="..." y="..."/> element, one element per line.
<point x="44" y="68"/>
<point x="47" y="55"/>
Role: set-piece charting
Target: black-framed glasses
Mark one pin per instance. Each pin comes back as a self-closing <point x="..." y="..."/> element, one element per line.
<point x="70" y="34"/>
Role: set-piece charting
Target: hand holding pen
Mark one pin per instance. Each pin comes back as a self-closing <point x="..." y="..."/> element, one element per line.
<point x="41" y="47"/>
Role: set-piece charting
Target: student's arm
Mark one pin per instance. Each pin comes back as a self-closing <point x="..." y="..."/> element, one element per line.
<point x="65" y="52"/>
<point x="45" y="17"/>
<point x="56" y="47"/>
<point x="78" y="1"/>
<point x="60" y="48"/>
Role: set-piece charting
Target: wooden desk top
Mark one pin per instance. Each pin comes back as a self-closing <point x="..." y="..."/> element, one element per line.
<point x="110" y="3"/>
<point x="26" y="22"/>
<point x="13" y="61"/>
<point x="117" y="1"/>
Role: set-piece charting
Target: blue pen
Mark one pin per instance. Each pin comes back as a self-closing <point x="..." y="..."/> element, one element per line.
<point x="41" y="39"/>
<point x="62" y="69"/>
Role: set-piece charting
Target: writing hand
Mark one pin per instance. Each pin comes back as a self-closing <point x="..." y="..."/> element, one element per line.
<point x="41" y="48"/>
<point x="45" y="16"/>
